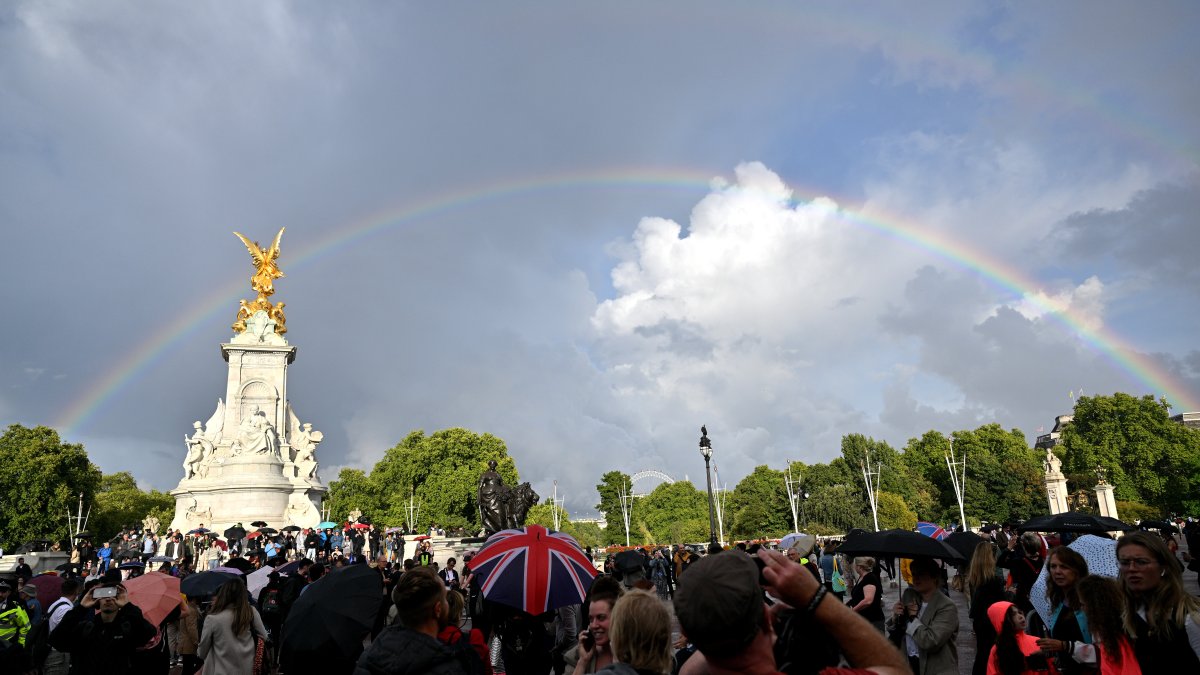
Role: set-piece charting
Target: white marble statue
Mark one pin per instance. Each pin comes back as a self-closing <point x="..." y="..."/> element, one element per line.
<point x="256" y="435"/>
<point x="202" y="443"/>
<point x="305" y="443"/>
<point x="1053" y="464"/>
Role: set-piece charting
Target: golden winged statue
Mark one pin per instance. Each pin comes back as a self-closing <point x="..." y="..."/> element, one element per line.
<point x="266" y="271"/>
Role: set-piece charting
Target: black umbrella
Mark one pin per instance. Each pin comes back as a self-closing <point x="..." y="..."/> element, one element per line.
<point x="258" y="523"/>
<point x="240" y="564"/>
<point x="235" y="532"/>
<point x="364" y="520"/>
<point x="898" y="544"/>
<point x="1073" y="522"/>
<point x="336" y="611"/>
<point x="268" y="530"/>
<point x="66" y="567"/>
<point x="964" y="543"/>
<point x="204" y="584"/>
<point x="1157" y="525"/>
<point x="83" y="535"/>
<point x="292" y="528"/>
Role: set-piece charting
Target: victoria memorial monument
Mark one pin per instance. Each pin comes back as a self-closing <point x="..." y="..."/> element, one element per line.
<point x="253" y="460"/>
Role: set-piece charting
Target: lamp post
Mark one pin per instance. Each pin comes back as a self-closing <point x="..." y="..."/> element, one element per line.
<point x="707" y="451"/>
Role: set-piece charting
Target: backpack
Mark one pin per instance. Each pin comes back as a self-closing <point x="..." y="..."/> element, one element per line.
<point x="37" y="641"/>
<point x="466" y="655"/>
<point x="272" y="603"/>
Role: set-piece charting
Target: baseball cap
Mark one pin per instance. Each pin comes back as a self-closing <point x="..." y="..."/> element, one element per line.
<point x="720" y="604"/>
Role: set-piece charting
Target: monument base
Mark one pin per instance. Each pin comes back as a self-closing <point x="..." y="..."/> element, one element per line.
<point x="244" y="489"/>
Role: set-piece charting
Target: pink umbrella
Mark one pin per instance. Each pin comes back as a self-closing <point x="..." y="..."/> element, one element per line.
<point x="49" y="588"/>
<point x="155" y="593"/>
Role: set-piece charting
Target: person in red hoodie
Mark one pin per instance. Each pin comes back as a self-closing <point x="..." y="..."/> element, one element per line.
<point x="1014" y="653"/>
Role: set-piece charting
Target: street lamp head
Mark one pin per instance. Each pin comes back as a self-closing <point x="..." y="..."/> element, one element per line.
<point x="706" y="450"/>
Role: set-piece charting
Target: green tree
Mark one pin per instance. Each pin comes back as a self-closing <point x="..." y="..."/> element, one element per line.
<point x="442" y="470"/>
<point x="610" y="488"/>
<point x="120" y="503"/>
<point x="41" y="479"/>
<point x="894" y="512"/>
<point x="543" y="514"/>
<point x="353" y="490"/>
<point x="673" y="513"/>
<point x="758" y="505"/>
<point x="1147" y="457"/>
<point x="836" y="510"/>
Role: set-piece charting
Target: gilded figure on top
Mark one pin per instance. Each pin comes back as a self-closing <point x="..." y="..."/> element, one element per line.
<point x="266" y="271"/>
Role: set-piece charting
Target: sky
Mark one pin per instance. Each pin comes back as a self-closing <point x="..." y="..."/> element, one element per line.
<point x="589" y="228"/>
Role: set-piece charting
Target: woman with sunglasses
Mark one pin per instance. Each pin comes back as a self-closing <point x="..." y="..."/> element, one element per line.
<point x="1163" y="619"/>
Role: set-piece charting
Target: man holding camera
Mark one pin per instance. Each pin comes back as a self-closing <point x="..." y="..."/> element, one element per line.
<point x="103" y="630"/>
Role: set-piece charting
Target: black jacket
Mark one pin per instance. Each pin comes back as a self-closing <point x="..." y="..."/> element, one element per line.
<point x="400" y="651"/>
<point x="99" y="647"/>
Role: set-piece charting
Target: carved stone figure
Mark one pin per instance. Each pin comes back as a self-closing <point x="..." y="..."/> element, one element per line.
<point x="199" y="450"/>
<point x="1052" y="464"/>
<point x="256" y="435"/>
<point x="305" y="444"/>
<point x="150" y="523"/>
<point x="492" y="512"/>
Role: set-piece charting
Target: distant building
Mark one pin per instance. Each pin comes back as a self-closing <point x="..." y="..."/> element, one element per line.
<point x="1054" y="438"/>
<point x="1190" y="420"/>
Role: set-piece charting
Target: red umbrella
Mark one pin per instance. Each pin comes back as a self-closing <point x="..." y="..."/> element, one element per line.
<point x="254" y="535"/>
<point x="422" y="537"/>
<point x="49" y="588"/>
<point x="533" y="569"/>
<point x="361" y="526"/>
<point x="155" y="593"/>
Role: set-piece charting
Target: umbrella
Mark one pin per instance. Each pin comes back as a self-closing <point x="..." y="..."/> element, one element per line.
<point x="1157" y="525"/>
<point x="49" y="588"/>
<point x="361" y="526"/>
<point x="392" y="530"/>
<point x="335" y="612"/>
<point x="898" y="543"/>
<point x="803" y="542"/>
<point x="327" y="525"/>
<point x="258" y="523"/>
<point x="288" y="568"/>
<point x="268" y="530"/>
<point x="155" y="593"/>
<point x="162" y="559"/>
<point x="204" y="584"/>
<point x="258" y="579"/>
<point x="422" y="537"/>
<point x="199" y="530"/>
<point x="228" y="570"/>
<point x="964" y="543"/>
<point x="66" y="567"/>
<point x="932" y="530"/>
<point x="254" y="535"/>
<point x="1101" y="557"/>
<point x="132" y="565"/>
<point x="533" y="569"/>
<point x="235" y="532"/>
<point x="83" y="535"/>
<point x="365" y="520"/>
<point x="240" y="564"/>
<point x="1073" y="522"/>
<point x="625" y="561"/>
<point x="291" y="528"/>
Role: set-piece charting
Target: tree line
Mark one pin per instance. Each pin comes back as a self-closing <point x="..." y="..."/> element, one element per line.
<point x="1153" y="462"/>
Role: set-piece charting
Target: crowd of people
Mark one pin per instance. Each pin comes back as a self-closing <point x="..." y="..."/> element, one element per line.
<point x="748" y="609"/>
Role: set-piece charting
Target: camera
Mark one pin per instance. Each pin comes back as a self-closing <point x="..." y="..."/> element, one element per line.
<point x="104" y="592"/>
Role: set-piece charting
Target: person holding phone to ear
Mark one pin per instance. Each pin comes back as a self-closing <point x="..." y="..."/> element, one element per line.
<point x="103" y="630"/>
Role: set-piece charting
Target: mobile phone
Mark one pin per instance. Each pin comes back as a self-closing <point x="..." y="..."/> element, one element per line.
<point x="589" y="642"/>
<point x="104" y="592"/>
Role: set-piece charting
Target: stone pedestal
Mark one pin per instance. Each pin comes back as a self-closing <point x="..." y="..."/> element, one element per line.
<point x="253" y="460"/>
<point x="1106" y="502"/>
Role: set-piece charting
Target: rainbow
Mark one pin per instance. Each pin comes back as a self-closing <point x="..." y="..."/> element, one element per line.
<point x="144" y="356"/>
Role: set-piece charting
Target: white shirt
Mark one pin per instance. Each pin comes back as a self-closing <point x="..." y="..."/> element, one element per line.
<point x="57" y="609"/>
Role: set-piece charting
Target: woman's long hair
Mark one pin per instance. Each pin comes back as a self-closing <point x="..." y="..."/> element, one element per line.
<point x="982" y="568"/>
<point x="232" y="596"/>
<point x="1009" y="657"/>
<point x="1070" y="558"/>
<point x="1104" y="606"/>
<point x="640" y="632"/>
<point x="1168" y="605"/>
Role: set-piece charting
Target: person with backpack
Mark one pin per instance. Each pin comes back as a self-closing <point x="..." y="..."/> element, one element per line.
<point x="271" y="609"/>
<point x="50" y="660"/>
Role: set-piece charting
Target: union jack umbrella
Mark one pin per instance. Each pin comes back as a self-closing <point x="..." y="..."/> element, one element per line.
<point x="533" y="569"/>
<point x="931" y="530"/>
